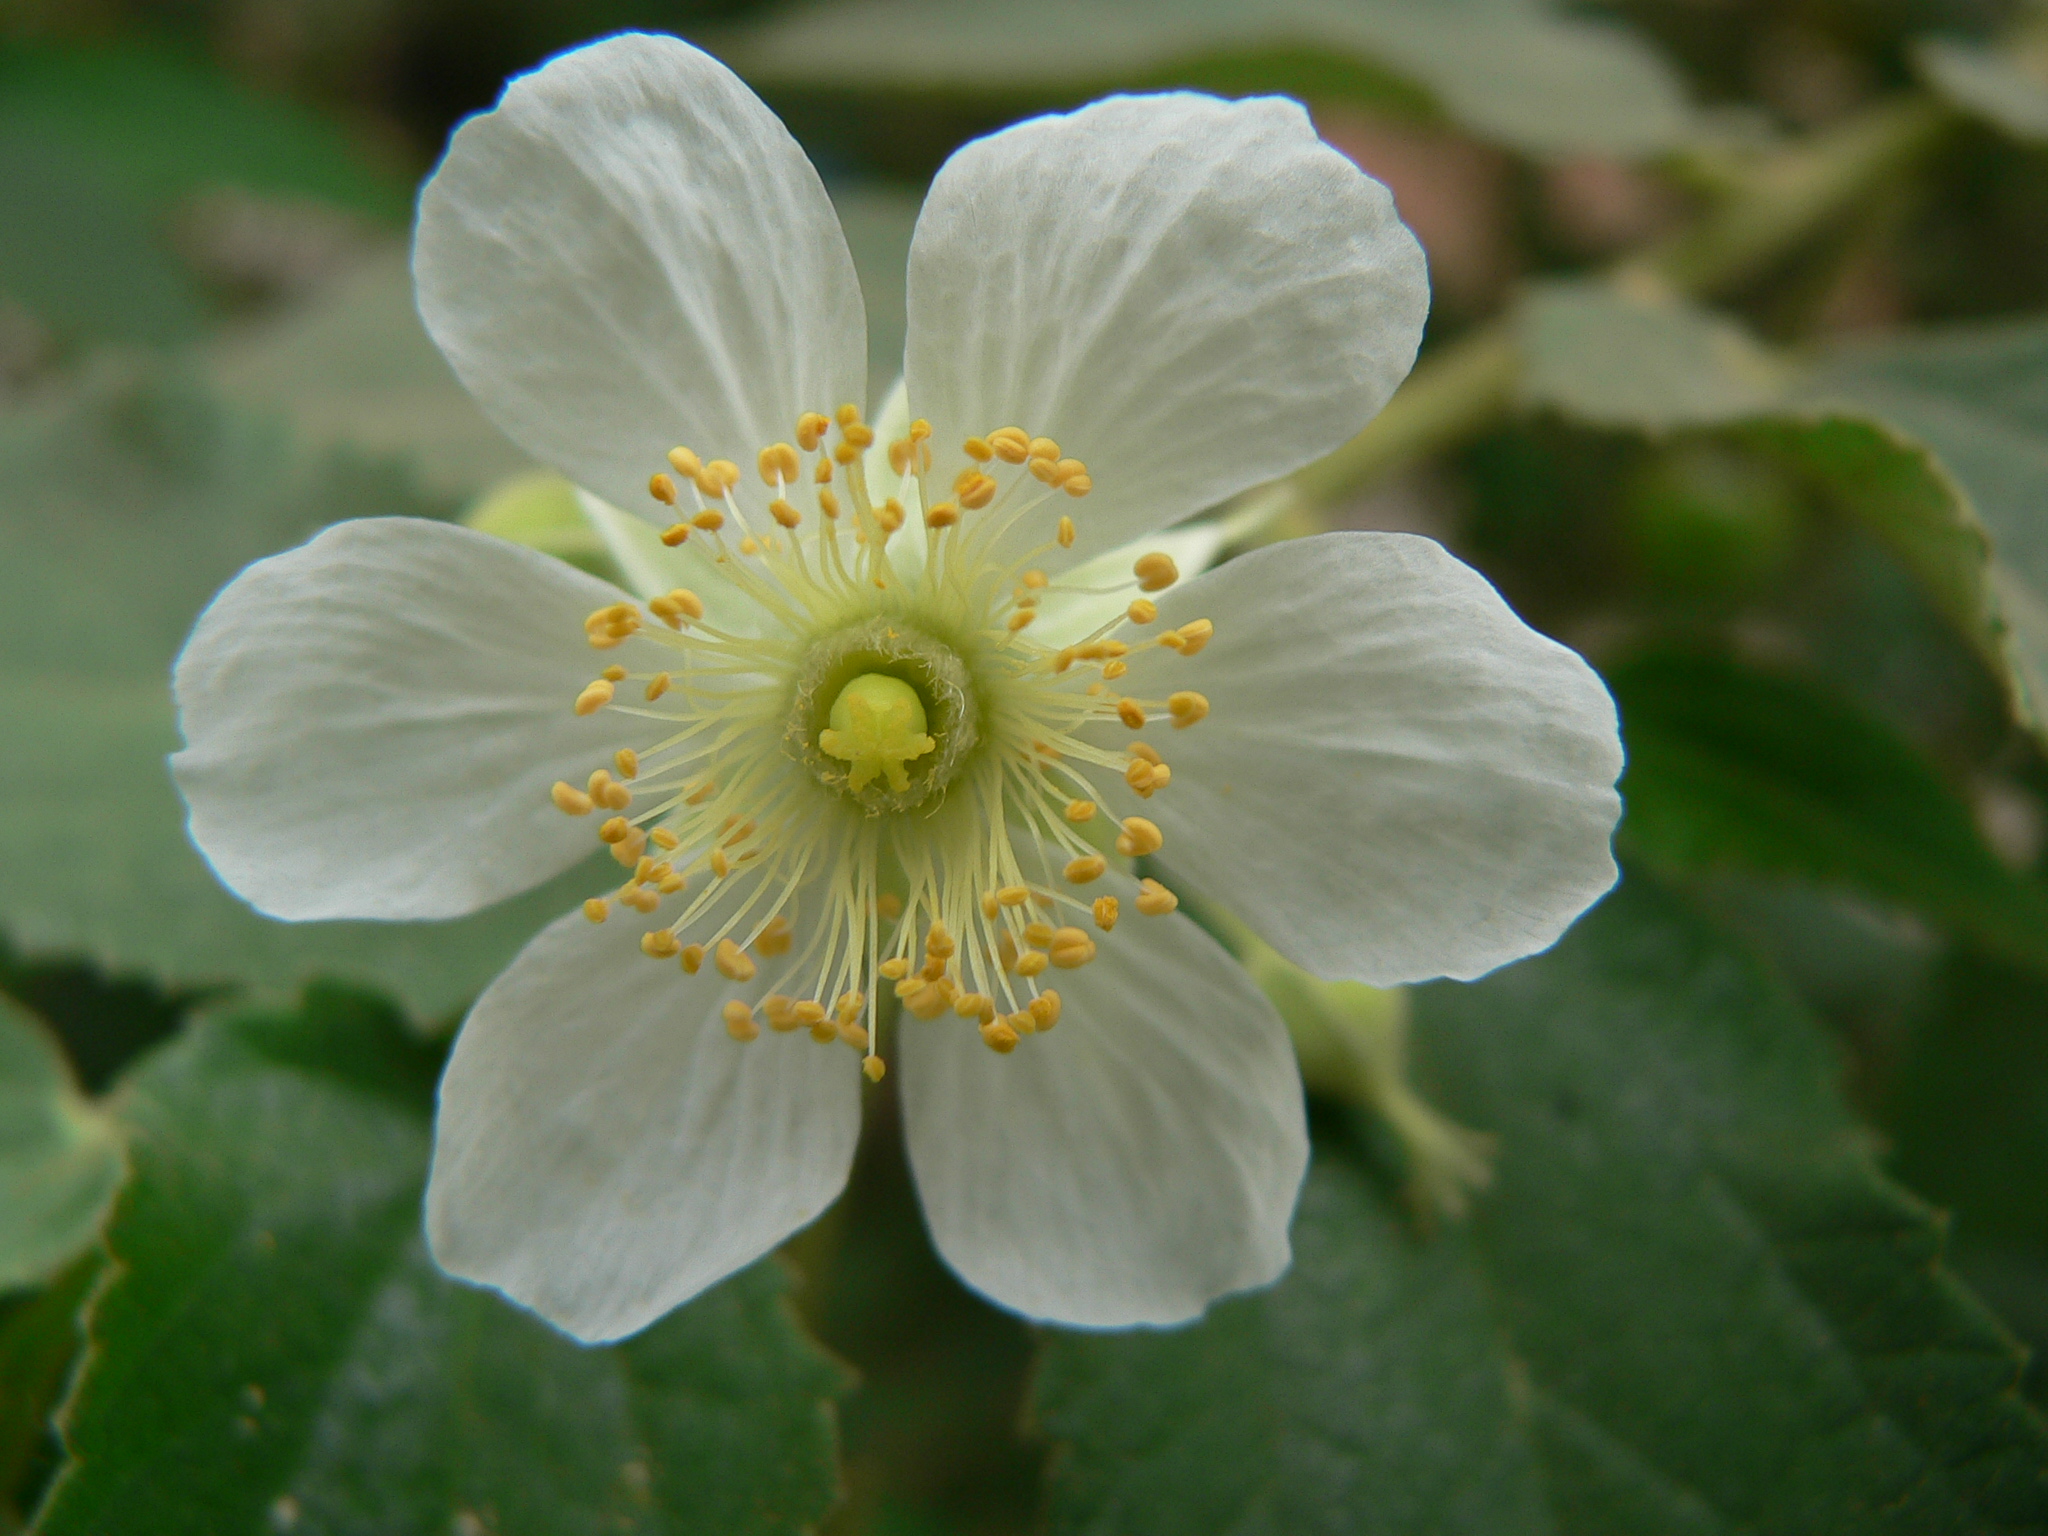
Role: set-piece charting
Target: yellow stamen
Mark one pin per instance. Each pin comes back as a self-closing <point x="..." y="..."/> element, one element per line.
<point x="1154" y="899"/>
<point x="739" y="1021"/>
<point x="1088" y="867"/>
<point x="570" y="800"/>
<point x="1105" y="912"/>
<point x="1139" y="838"/>
<point x="597" y="909"/>
<point x="733" y="962"/>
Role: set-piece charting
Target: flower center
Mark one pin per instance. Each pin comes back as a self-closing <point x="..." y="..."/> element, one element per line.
<point x="868" y="768"/>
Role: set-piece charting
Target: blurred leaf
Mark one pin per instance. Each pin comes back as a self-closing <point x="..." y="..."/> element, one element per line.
<point x="98" y="146"/>
<point x="39" y="1338"/>
<point x="1991" y="83"/>
<point x="278" y="1353"/>
<point x="126" y="505"/>
<point x="354" y="369"/>
<point x="1605" y="357"/>
<point x="1734" y="767"/>
<point x="60" y="1155"/>
<point x="1516" y="72"/>
<point x="1691" y="1305"/>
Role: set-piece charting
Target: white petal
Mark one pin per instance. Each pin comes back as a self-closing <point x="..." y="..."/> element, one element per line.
<point x="629" y="252"/>
<point x="1130" y="1166"/>
<point x="372" y="721"/>
<point x="1190" y="295"/>
<point x="604" y="1150"/>
<point x="1398" y="778"/>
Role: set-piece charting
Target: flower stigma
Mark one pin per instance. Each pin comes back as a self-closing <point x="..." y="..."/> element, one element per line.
<point x="879" y="776"/>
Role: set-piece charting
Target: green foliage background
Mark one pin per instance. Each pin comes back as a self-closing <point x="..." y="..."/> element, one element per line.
<point x="1728" y="1214"/>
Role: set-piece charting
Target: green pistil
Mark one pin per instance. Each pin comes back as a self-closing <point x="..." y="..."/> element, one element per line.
<point x="877" y="724"/>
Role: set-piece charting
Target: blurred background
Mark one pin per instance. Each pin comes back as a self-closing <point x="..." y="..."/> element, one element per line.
<point x="1736" y="380"/>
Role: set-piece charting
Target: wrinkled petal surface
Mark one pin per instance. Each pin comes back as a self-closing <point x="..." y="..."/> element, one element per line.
<point x="1133" y="1164"/>
<point x="1398" y="778"/>
<point x="372" y="721"/>
<point x="604" y="1150"/>
<point x="630" y="252"/>
<point x="1190" y="295"/>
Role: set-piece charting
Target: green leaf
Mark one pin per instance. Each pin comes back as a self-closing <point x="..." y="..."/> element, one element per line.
<point x="276" y="1351"/>
<point x="1733" y="766"/>
<point x="1513" y="71"/>
<point x="123" y="507"/>
<point x="40" y="1337"/>
<point x="1690" y="1305"/>
<point x="1995" y="84"/>
<point x="1653" y="363"/>
<point x="60" y="1155"/>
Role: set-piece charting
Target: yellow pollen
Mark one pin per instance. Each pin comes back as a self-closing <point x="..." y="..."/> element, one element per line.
<point x="828" y="503"/>
<point x="1149" y="753"/>
<point x="877" y="725"/>
<point x="808" y="1013"/>
<point x="1105" y="912"/>
<point x="1045" y="1008"/>
<point x="1079" y="811"/>
<point x="1022" y="1022"/>
<point x="719" y="476"/>
<point x="782" y="1013"/>
<point x="975" y="491"/>
<point x="784" y="514"/>
<point x="628" y="852"/>
<point x="1010" y="444"/>
<point x="1066" y="533"/>
<point x="989" y="905"/>
<point x="872" y="1069"/>
<point x="944" y="515"/>
<point x="1194" y="635"/>
<point x="597" y="909"/>
<point x="999" y="1037"/>
<point x="1139" y="838"/>
<point x="1012" y="896"/>
<point x="1044" y="448"/>
<point x="627" y="762"/>
<point x="977" y="449"/>
<point x="776" y="938"/>
<point x="640" y="899"/>
<point x="938" y="943"/>
<point x="1142" y="610"/>
<point x="1132" y="713"/>
<point x="739" y="1021"/>
<point x="686" y="463"/>
<point x="1038" y="933"/>
<point x="570" y="800"/>
<point x="710" y="520"/>
<point x="1031" y="962"/>
<point x="721" y="866"/>
<point x="661" y="944"/>
<point x="778" y="464"/>
<point x="1072" y="949"/>
<point x="676" y="533"/>
<point x="1088" y="867"/>
<point x="895" y="968"/>
<point x="594" y="697"/>
<point x="692" y="958"/>
<point x="657" y="686"/>
<point x="1155" y="572"/>
<point x="1154" y="899"/>
<point x="852" y="1034"/>
<point x="662" y="489"/>
<point x="1186" y="708"/>
<point x="1021" y="617"/>
<point x="616" y="830"/>
<point x="613" y="674"/>
<point x="1112" y="670"/>
<point x="733" y="962"/>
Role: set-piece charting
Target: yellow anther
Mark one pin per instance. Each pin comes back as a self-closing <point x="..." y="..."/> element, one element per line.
<point x="1010" y="444"/>
<point x="1012" y="896"/>
<point x="944" y="515"/>
<point x="976" y="492"/>
<point x="1077" y="486"/>
<point x="858" y="435"/>
<point x="739" y="1021"/>
<point x="570" y="800"/>
<point x="1031" y="963"/>
<point x="1171" y="639"/>
<point x="594" y="697"/>
<point x="1067" y="471"/>
<point x="1006" y="950"/>
<point x="1038" y="933"/>
<point x="972" y="1005"/>
<point x="852" y="1034"/>
<point x="1131" y="712"/>
<point x="1105" y="912"/>
<point x="781" y="1013"/>
<point x="872" y="1069"/>
<point x="1186" y="707"/>
<point x="627" y="763"/>
<point x="776" y="938"/>
<point x="1042" y="469"/>
<point x="989" y="905"/>
<point x="1146" y="751"/>
<point x="676" y="533"/>
<point x="810" y="430"/>
<point x="920" y="430"/>
<point x="778" y="464"/>
<point x="640" y="899"/>
<point x="889" y="906"/>
<point x="908" y="986"/>
<point x="613" y="674"/>
<point x="721" y="866"/>
<point x="890" y="515"/>
<point x="662" y="489"/>
<point x="1071" y="948"/>
<point x="686" y="463"/>
<point x="666" y="840"/>
<point x="1194" y="635"/>
<point x="616" y="830"/>
<point x="895" y="968"/>
<point x="661" y="944"/>
<point x="657" y="686"/>
<point x="784" y="514"/>
<point x="1090" y="866"/>
<point x="1044" y="448"/>
<point x="733" y="962"/>
<point x="1064" y="660"/>
<point x="1155" y="572"/>
<point x="876" y="727"/>
<point x="828" y="504"/>
<point x="1112" y="670"/>
<point x="1079" y="811"/>
<point x="644" y="871"/>
<point x="977" y="449"/>
<point x="597" y="909"/>
<point x="808" y="1013"/>
<point x="1154" y="899"/>
<point x="999" y="1037"/>
<point x="822" y="472"/>
<point x="701" y="793"/>
<point x="899" y="455"/>
<point x="1142" y="610"/>
<point x="938" y="943"/>
<point x="1066" y="533"/>
<point x="599" y="778"/>
<point x="1045" y="1008"/>
<point x="846" y="453"/>
<point x="1022" y="1022"/>
<point x="1139" y="838"/>
<point x="719" y="476"/>
<point x="1020" y="618"/>
<point x="628" y="853"/>
<point x="672" y="883"/>
<point x="929" y="1001"/>
<point x="692" y="958"/>
<point x="750" y="545"/>
<point x="613" y="796"/>
<point x="710" y="520"/>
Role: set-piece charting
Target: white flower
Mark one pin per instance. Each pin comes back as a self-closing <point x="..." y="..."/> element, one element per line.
<point x="835" y="762"/>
